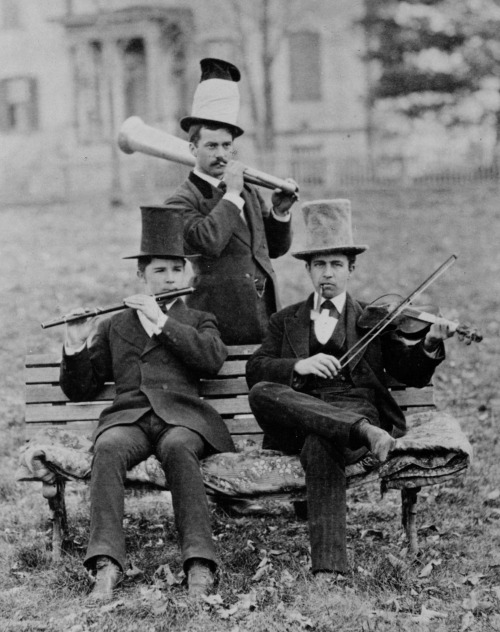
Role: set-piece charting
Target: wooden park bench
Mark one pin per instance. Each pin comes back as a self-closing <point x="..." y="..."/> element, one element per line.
<point x="47" y="408"/>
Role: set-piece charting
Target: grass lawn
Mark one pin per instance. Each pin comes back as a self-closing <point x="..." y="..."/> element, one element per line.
<point x="58" y="257"/>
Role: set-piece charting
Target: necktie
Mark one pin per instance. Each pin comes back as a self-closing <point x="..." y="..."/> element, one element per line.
<point x="222" y="186"/>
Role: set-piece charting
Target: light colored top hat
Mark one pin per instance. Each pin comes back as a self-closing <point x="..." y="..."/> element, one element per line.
<point x="217" y="98"/>
<point x="162" y="233"/>
<point x="328" y="229"/>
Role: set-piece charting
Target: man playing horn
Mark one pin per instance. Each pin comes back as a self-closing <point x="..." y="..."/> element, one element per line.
<point x="307" y="403"/>
<point x="225" y="220"/>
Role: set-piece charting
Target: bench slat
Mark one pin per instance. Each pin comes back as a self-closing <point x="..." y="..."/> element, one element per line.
<point x="44" y="412"/>
<point x="50" y="374"/>
<point x="54" y="359"/>
<point x="237" y="427"/>
<point x="48" y="393"/>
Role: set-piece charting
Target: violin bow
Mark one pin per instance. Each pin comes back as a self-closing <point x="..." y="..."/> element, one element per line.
<point x="370" y="335"/>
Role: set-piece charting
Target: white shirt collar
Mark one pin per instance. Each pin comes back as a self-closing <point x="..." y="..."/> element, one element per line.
<point x="338" y="301"/>
<point x="204" y="176"/>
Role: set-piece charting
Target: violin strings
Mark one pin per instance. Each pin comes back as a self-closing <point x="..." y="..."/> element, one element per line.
<point x="387" y="320"/>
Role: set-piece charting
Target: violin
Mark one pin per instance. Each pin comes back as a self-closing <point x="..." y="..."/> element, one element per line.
<point x="412" y="321"/>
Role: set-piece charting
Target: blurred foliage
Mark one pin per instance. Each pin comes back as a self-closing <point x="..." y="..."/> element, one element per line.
<point x="441" y="47"/>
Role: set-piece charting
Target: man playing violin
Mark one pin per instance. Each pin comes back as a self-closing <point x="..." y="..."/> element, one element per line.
<point x="156" y="359"/>
<point x="308" y="402"/>
<point x="226" y="220"/>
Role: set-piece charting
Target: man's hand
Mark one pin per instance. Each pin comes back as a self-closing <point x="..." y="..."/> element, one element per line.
<point x="282" y="201"/>
<point x="233" y="176"/>
<point x="78" y="331"/>
<point x="439" y="331"/>
<point x="321" y="364"/>
<point x="145" y="304"/>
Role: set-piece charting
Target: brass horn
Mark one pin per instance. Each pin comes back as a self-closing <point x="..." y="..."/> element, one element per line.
<point x="135" y="135"/>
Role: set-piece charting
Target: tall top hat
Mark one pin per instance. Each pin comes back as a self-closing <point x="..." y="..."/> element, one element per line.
<point x="217" y="98"/>
<point x="162" y="233"/>
<point x="328" y="229"/>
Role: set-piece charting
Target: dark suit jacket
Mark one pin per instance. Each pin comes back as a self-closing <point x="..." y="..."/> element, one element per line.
<point x="288" y="340"/>
<point x="160" y="373"/>
<point x="232" y="254"/>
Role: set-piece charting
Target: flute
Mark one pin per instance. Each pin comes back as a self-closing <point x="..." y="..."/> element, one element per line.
<point x="163" y="297"/>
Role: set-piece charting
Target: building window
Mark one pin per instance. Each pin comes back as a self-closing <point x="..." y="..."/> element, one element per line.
<point x="10" y="14"/>
<point x="18" y="104"/>
<point x="305" y="66"/>
<point x="136" y="80"/>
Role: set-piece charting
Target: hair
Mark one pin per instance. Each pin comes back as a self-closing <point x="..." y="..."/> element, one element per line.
<point x="145" y="260"/>
<point x="351" y="261"/>
<point x="195" y="130"/>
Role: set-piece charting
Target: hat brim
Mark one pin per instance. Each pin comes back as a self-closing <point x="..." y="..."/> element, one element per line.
<point x="344" y="250"/>
<point x="188" y="121"/>
<point x="163" y="255"/>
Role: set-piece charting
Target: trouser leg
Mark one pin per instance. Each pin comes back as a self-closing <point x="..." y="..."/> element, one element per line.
<point x="279" y="406"/>
<point x="116" y="450"/>
<point x="326" y="504"/>
<point x="179" y="451"/>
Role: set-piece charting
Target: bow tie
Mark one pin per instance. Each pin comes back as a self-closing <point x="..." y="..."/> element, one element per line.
<point x="334" y="312"/>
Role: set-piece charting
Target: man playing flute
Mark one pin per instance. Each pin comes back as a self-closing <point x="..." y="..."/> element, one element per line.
<point x="156" y="359"/>
<point x="225" y="220"/>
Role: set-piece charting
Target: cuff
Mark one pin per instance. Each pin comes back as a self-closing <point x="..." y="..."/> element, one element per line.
<point x="235" y="199"/>
<point x="71" y="351"/>
<point x="281" y="218"/>
<point x="160" y="323"/>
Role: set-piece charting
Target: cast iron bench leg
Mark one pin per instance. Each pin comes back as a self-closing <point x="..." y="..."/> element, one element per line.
<point x="409" y="517"/>
<point x="57" y="505"/>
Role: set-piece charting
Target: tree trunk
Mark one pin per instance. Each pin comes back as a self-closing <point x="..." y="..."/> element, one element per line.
<point x="267" y="62"/>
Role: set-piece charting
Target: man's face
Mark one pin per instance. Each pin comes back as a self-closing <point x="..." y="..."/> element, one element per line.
<point x="214" y="149"/>
<point x="329" y="274"/>
<point x="163" y="275"/>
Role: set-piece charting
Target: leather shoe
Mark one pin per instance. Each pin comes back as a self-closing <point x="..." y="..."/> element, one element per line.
<point x="107" y="577"/>
<point x="200" y="578"/>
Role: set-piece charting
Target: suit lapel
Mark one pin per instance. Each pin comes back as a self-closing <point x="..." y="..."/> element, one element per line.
<point x="210" y="196"/>
<point x="130" y="329"/>
<point x="354" y="310"/>
<point x="297" y="329"/>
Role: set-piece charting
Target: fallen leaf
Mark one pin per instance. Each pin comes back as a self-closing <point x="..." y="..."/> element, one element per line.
<point x="426" y="615"/>
<point x="496" y="590"/>
<point x="427" y="570"/>
<point x="164" y="572"/>
<point x="295" y="617"/>
<point x="467" y="621"/>
<point x="470" y="602"/>
<point x="265" y="560"/>
<point x="262" y="570"/>
<point x="247" y="601"/>
<point x="287" y="578"/>
<point x="109" y="607"/>
<point x="494" y="621"/>
<point x="473" y="579"/>
<point x="213" y="600"/>
<point x="225" y="613"/>
<point x="134" y="571"/>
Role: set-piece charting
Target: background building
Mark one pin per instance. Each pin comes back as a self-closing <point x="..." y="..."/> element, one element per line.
<point x="72" y="71"/>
